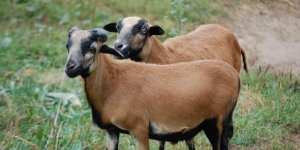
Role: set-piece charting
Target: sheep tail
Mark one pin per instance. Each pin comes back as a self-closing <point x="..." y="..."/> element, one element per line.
<point x="244" y="55"/>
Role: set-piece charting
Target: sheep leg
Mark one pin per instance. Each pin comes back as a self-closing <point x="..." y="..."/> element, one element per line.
<point x="190" y="144"/>
<point x="228" y="130"/>
<point x="141" y="136"/>
<point x="228" y="133"/>
<point x="162" y="145"/>
<point x="212" y="132"/>
<point x="112" y="140"/>
<point x="142" y="142"/>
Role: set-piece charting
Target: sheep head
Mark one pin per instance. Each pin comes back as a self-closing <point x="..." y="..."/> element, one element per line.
<point x="133" y="33"/>
<point x="82" y="47"/>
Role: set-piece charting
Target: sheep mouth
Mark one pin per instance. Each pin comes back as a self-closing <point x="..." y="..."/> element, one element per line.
<point x="72" y="73"/>
<point x="129" y="53"/>
<point x="124" y="54"/>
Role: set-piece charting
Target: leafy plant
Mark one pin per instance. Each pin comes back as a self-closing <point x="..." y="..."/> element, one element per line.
<point x="177" y="14"/>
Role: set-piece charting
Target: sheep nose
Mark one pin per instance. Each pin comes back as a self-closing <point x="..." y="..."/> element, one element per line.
<point x="118" y="46"/>
<point x="70" y="65"/>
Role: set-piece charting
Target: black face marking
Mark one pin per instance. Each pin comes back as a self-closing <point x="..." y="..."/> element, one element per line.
<point x="69" y="35"/>
<point x="119" y="26"/>
<point x="94" y="37"/>
<point x="134" y="55"/>
<point x="85" y="72"/>
<point x="92" y="50"/>
<point x="85" y="46"/>
<point x="69" y="44"/>
<point x="72" y="30"/>
<point x="137" y="28"/>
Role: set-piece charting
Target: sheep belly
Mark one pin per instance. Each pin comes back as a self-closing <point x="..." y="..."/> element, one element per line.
<point x="156" y="133"/>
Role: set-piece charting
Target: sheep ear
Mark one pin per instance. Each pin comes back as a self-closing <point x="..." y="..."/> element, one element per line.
<point x="72" y="30"/>
<point x="109" y="50"/>
<point x="111" y="27"/>
<point x="156" y="30"/>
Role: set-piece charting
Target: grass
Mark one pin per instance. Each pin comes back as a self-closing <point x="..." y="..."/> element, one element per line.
<point x="32" y="66"/>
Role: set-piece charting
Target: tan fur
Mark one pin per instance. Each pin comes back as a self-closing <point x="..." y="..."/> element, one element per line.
<point x="210" y="41"/>
<point x="129" y="95"/>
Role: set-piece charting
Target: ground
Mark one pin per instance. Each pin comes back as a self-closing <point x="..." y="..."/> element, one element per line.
<point x="269" y="31"/>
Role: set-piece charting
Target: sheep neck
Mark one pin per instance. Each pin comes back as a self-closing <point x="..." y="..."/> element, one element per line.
<point x="97" y="84"/>
<point x="159" y="54"/>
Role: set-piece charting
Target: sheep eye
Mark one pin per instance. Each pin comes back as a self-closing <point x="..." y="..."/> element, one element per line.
<point x="144" y="30"/>
<point x="93" y="50"/>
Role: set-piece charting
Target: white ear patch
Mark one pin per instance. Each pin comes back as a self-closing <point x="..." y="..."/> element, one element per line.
<point x="89" y="60"/>
<point x="97" y="46"/>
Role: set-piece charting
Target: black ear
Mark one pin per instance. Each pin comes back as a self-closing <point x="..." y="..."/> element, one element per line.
<point x="72" y="30"/>
<point x="156" y="30"/>
<point x="109" y="50"/>
<point x="111" y="27"/>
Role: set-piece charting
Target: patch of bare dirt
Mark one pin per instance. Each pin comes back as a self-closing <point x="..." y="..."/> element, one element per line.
<point x="269" y="31"/>
<point x="292" y="139"/>
<point x="295" y="136"/>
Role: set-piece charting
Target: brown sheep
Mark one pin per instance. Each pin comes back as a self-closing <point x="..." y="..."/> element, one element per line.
<point x="211" y="41"/>
<point x="162" y="102"/>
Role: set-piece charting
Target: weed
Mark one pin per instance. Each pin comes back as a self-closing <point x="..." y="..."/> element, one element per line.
<point x="177" y="14"/>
